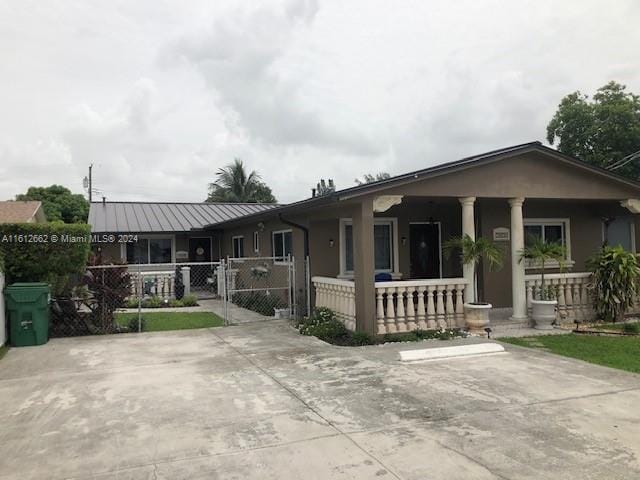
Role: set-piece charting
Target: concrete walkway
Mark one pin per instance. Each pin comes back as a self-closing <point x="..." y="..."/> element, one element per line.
<point x="260" y="401"/>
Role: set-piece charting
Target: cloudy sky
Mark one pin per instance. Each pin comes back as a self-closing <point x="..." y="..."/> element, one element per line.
<point x="160" y="94"/>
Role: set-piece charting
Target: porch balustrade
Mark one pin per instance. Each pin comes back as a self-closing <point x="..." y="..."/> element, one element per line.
<point x="571" y="290"/>
<point x="409" y="305"/>
<point x="401" y="306"/>
<point x="160" y="284"/>
<point x="339" y="296"/>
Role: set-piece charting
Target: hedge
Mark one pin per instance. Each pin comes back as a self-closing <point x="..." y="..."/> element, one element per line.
<point x="44" y="252"/>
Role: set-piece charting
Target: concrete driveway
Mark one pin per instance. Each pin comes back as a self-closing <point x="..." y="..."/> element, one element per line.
<point x="259" y="401"/>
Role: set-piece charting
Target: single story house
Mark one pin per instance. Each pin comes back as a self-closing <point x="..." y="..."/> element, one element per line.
<point x="395" y="228"/>
<point x="18" y="211"/>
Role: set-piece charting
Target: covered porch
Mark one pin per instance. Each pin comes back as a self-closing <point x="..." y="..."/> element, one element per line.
<point x="391" y="274"/>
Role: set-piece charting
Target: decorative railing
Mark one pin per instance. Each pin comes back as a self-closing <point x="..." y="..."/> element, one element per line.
<point x="160" y="284"/>
<point x="339" y="296"/>
<point x="571" y="290"/>
<point x="420" y="304"/>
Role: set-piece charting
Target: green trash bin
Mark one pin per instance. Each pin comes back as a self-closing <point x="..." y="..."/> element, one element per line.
<point x="27" y="313"/>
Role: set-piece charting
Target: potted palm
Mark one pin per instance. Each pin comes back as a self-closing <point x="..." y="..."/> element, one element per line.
<point x="544" y="303"/>
<point x="472" y="251"/>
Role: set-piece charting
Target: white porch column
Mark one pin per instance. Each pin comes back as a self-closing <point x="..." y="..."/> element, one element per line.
<point x="468" y="228"/>
<point x="518" y="287"/>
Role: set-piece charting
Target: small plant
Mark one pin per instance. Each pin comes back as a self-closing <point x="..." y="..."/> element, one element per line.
<point x="132" y="302"/>
<point x="615" y="276"/>
<point x="152" y="302"/>
<point x="632" y="328"/>
<point x="189" y="301"/>
<point x="359" y="339"/>
<point x="133" y="324"/>
<point x="174" y="302"/>
<point x="540" y="253"/>
<point x="472" y="252"/>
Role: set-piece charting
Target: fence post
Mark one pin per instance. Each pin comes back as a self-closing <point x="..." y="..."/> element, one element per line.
<point x="186" y="280"/>
<point x="140" y="292"/>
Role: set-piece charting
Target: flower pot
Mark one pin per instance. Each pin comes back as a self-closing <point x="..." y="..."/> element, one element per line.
<point x="476" y="317"/>
<point x="543" y="313"/>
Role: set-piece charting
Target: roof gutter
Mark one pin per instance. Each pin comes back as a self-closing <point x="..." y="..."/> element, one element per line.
<point x="304" y="229"/>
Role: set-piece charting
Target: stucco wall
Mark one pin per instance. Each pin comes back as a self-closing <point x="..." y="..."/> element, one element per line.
<point x="585" y="233"/>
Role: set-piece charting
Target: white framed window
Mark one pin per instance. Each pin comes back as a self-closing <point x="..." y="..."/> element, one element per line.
<point x="237" y="244"/>
<point x="149" y="249"/>
<point x="556" y="230"/>
<point x="281" y="244"/>
<point x="256" y="242"/>
<point x="385" y="245"/>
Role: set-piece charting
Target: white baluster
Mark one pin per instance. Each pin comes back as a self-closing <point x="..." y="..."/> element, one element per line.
<point x="431" y="310"/>
<point x="577" y="300"/>
<point x="568" y="295"/>
<point x="400" y="310"/>
<point x="422" y="315"/>
<point x="449" y="311"/>
<point x="440" y="306"/>
<point x="460" y="305"/>
<point x="391" y="313"/>
<point x="529" y="286"/>
<point x="380" y="311"/>
<point x="411" y="311"/>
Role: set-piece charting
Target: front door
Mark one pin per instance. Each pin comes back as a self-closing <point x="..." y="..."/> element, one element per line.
<point x="424" y="250"/>
<point x="200" y="251"/>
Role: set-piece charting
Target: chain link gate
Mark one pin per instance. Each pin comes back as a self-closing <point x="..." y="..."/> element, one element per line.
<point x="259" y="288"/>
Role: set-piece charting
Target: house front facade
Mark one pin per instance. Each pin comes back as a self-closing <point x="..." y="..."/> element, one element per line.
<point x="376" y="251"/>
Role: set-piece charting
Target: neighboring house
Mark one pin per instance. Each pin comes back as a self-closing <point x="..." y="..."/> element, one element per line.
<point x="16" y="211"/>
<point x="395" y="228"/>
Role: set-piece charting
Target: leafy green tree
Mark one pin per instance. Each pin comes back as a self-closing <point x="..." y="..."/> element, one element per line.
<point x="325" y="187"/>
<point x="600" y="130"/>
<point x="473" y="251"/>
<point x="234" y="184"/>
<point x="59" y="203"/>
<point x="370" y="178"/>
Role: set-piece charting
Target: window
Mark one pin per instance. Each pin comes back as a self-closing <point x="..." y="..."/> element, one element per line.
<point x="384" y="245"/>
<point x="282" y="244"/>
<point x="620" y="232"/>
<point x="256" y="243"/>
<point x="238" y="246"/>
<point x="150" y="250"/>
<point x="549" y="230"/>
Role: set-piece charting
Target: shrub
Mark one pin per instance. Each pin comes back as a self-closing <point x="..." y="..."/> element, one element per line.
<point x="259" y="302"/>
<point x="615" y="275"/>
<point x="359" y="339"/>
<point x="323" y="324"/>
<point x="31" y="255"/>
<point x="132" y="302"/>
<point x="633" y="328"/>
<point x="174" y="302"/>
<point x="133" y="324"/>
<point x="189" y="301"/>
<point x="152" y="302"/>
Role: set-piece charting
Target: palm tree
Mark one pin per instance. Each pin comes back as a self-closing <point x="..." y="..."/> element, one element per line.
<point x="541" y="252"/>
<point x="234" y="184"/>
<point x="473" y="251"/>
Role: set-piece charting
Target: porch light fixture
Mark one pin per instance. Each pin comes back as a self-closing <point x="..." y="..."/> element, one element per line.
<point x="404" y="240"/>
<point x="331" y="242"/>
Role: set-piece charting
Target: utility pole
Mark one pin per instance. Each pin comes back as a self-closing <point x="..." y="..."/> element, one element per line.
<point x="88" y="183"/>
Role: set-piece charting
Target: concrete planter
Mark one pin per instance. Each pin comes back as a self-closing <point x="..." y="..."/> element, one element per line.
<point x="476" y="317"/>
<point x="543" y="313"/>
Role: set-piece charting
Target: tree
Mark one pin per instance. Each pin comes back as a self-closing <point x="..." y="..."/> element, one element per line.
<point x="541" y="252"/>
<point x="59" y="203"/>
<point x="370" y="178"/>
<point x="233" y="184"/>
<point x="601" y="130"/>
<point x="472" y="251"/>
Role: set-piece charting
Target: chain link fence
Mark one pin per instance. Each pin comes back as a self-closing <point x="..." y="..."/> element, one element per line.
<point x="111" y="298"/>
<point x="260" y="288"/>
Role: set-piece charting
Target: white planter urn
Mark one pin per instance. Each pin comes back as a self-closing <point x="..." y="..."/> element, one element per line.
<point x="543" y="313"/>
<point x="476" y="317"/>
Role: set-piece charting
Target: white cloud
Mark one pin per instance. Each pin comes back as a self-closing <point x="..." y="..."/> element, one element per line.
<point x="160" y="94"/>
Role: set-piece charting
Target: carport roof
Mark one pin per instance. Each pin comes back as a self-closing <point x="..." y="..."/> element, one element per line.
<point x="152" y="217"/>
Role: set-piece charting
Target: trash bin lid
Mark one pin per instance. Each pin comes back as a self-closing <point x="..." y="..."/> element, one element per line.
<point x="29" y="285"/>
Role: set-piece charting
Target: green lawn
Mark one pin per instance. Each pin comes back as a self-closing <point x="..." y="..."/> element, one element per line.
<point x="162" y="321"/>
<point x="616" y="352"/>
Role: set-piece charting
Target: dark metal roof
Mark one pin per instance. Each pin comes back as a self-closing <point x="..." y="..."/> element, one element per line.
<point x="151" y="217"/>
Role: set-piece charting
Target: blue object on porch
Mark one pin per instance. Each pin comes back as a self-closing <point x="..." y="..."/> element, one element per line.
<point x="383" y="277"/>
